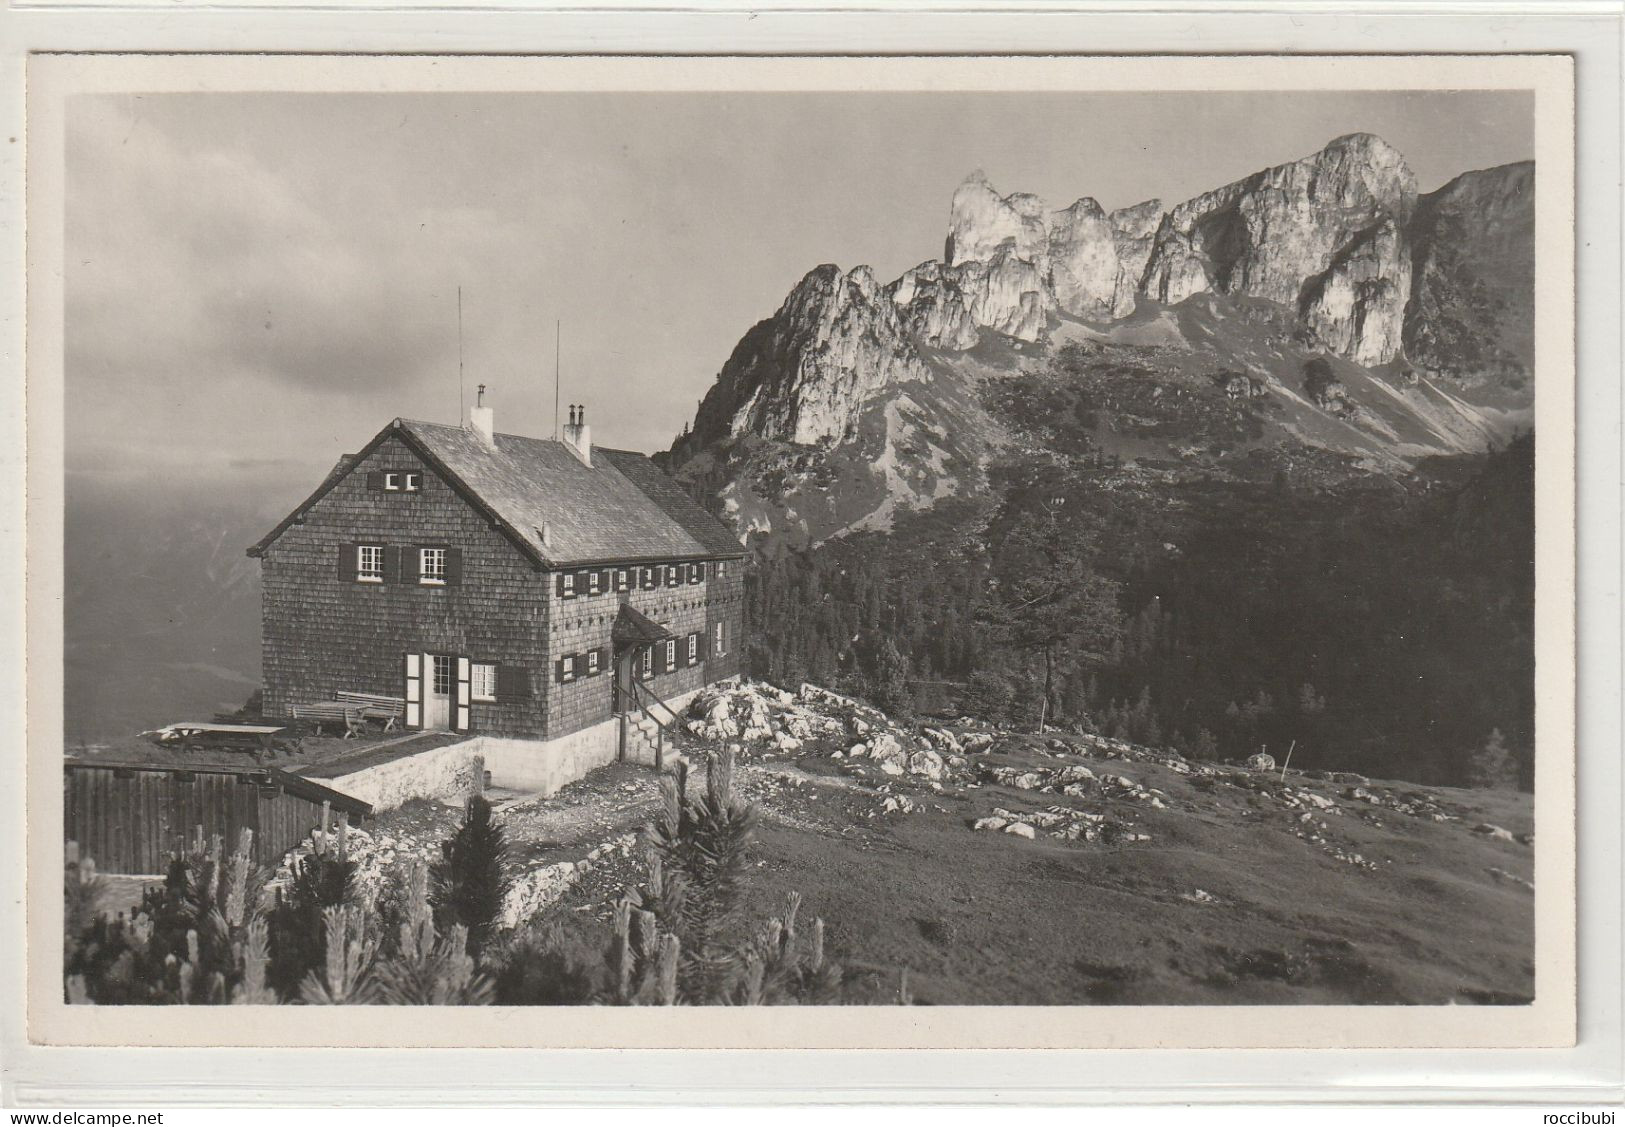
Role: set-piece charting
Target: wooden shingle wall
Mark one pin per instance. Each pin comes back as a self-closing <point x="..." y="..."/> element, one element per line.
<point x="726" y="602"/>
<point x="322" y="633"/>
<point x="583" y="622"/>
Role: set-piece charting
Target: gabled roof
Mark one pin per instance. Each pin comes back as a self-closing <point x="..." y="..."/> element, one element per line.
<point x="618" y="509"/>
<point x="634" y="628"/>
<point x="661" y="488"/>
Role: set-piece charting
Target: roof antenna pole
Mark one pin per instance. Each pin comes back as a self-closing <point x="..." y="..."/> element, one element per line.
<point x="557" y="330"/>
<point x="460" y="395"/>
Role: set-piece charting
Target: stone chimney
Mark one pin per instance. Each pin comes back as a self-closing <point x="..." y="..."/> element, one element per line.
<point x="578" y="435"/>
<point x="482" y="420"/>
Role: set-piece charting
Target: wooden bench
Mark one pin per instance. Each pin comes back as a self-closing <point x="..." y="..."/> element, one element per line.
<point x="351" y="715"/>
<point x="387" y="710"/>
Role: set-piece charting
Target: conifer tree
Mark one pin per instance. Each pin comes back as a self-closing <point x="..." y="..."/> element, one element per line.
<point x="471" y="878"/>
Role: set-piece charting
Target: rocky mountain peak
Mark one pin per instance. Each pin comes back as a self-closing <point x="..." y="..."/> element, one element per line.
<point x="1331" y="256"/>
<point x="801" y="375"/>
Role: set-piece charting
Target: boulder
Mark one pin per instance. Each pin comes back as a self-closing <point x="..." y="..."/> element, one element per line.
<point x="927" y="763"/>
<point x="1021" y="829"/>
<point x="1261" y="762"/>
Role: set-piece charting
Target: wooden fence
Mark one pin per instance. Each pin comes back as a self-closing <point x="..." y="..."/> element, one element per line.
<point x="132" y="817"/>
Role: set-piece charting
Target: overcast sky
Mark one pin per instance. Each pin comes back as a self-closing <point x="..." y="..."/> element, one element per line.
<point x="274" y="276"/>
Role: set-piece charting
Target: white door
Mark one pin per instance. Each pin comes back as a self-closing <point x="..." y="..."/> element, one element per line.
<point x="437" y="691"/>
<point x="414" y="690"/>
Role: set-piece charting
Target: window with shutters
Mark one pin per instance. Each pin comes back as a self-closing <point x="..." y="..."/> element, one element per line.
<point x="482" y="680"/>
<point x="674" y="575"/>
<point x="620" y="579"/>
<point x="369" y="563"/>
<point x="567" y="668"/>
<point x="650" y="579"/>
<point x="432" y="566"/>
<point x="593" y="585"/>
<point x="592" y="663"/>
<point x="693" y="648"/>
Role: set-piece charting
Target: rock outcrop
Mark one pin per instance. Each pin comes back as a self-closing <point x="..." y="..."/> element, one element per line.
<point x="1134" y="233"/>
<point x="981" y="221"/>
<point x="1471" y="316"/>
<point x="1323" y="235"/>
<point x="933" y="306"/>
<point x="1086" y="272"/>
<point x="803" y="374"/>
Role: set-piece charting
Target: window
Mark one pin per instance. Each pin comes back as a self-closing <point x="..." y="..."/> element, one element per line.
<point x="392" y="482"/>
<point x="594" y="586"/>
<point x="567" y="668"/>
<point x="369" y="563"/>
<point x="721" y="639"/>
<point x="567" y="585"/>
<point x="621" y="583"/>
<point x="440" y="675"/>
<point x="411" y="482"/>
<point x="483" y="681"/>
<point x="592" y="663"/>
<point x="646" y="663"/>
<point x="650" y="579"/>
<point x="693" y="648"/>
<point x="671" y="654"/>
<point x="674" y="575"/>
<point x="722" y="568"/>
<point x="432" y="566"/>
<point x="696" y="572"/>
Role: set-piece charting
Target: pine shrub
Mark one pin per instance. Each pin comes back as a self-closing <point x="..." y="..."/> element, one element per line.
<point x="472" y="878"/>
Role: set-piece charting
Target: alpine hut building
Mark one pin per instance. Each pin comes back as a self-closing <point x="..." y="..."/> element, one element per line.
<point x="544" y="595"/>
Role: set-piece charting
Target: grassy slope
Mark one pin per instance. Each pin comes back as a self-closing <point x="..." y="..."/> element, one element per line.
<point x="981" y="917"/>
<point x="988" y="918"/>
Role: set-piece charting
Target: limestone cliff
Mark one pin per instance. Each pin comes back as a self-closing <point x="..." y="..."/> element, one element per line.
<point x="1470" y="316"/>
<point x="801" y="375"/>
<point x="1324" y="235"/>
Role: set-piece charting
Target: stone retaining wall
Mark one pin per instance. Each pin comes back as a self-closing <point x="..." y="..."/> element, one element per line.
<point x="525" y="765"/>
<point x="441" y="772"/>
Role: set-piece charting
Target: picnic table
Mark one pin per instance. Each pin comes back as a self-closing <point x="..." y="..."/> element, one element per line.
<point x="257" y="738"/>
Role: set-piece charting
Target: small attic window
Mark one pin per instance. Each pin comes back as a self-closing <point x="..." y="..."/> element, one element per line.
<point x="392" y="482"/>
<point x="411" y="481"/>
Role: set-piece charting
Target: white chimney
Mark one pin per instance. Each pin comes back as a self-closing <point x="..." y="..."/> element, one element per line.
<point x="578" y="435"/>
<point x="482" y="420"/>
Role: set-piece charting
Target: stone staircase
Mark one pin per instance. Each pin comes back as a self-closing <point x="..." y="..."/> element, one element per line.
<point x="643" y="739"/>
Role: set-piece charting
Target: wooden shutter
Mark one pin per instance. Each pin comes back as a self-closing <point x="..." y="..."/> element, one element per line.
<point x="409" y="564"/>
<point x="700" y="571"/>
<point x="558" y="585"/>
<point x="558" y="670"/>
<point x="349" y="561"/>
<point x="513" y="683"/>
<point x="392" y="563"/>
<point x="606" y="579"/>
<point x="463" y="698"/>
<point x="375" y="480"/>
<point x="414" y="690"/>
<point x="454" y="567"/>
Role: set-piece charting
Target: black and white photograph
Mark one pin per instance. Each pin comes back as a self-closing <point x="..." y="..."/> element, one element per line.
<point x="872" y="546"/>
